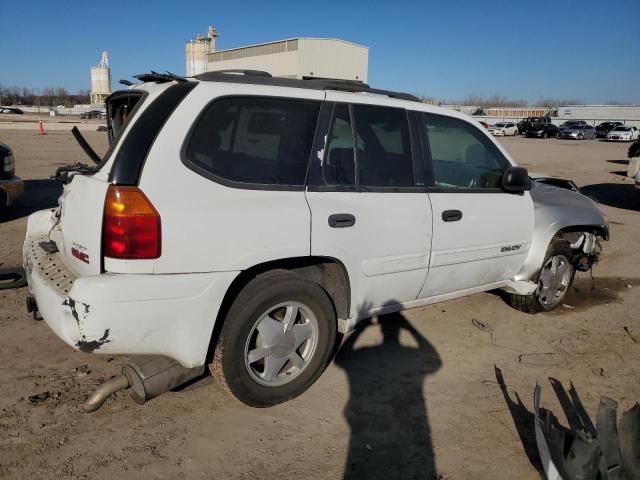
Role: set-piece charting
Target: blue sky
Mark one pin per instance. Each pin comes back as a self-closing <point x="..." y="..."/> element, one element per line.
<point x="580" y="49"/>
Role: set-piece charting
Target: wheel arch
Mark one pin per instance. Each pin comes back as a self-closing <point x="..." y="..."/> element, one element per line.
<point x="328" y="272"/>
<point x="541" y="242"/>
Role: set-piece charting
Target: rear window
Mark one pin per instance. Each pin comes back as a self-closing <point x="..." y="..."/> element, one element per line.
<point x="254" y="140"/>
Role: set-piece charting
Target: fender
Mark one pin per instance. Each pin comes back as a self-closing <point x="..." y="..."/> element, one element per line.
<point x="557" y="209"/>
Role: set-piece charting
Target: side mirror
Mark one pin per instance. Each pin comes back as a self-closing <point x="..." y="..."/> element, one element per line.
<point x="516" y="179"/>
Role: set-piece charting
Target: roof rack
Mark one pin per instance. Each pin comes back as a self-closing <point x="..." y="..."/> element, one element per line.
<point x="259" y="77"/>
<point x="159" y="77"/>
<point x="238" y="71"/>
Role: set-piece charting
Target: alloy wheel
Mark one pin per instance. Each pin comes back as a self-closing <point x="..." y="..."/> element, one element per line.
<point x="281" y="343"/>
<point x="554" y="281"/>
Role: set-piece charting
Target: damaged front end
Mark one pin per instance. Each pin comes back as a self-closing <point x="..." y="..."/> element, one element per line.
<point x="586" y="248"/>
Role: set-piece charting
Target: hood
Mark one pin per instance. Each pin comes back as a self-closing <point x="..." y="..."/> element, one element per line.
<point x="575" y="208"/>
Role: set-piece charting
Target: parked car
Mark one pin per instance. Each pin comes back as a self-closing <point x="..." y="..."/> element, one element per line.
<point x="235" y="221"/>
<point x="11" y="186"/>
<point x="578" y="132"/>
<point x="573" y="123"/>
<point x="542" y="130"/>
<point x="605" y="127"/>
<point x="93" y="114"/>
<point x="13" y="110"/>
<point x="525" y="123"/>
<point x="623" y="133"/>
<point x="503" y="129"/>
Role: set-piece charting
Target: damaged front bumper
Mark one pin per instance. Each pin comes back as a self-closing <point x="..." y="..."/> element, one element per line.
<point x="168" y="315"/>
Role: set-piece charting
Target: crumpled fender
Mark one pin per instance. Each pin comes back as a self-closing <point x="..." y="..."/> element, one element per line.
<point x="556" y="209"/>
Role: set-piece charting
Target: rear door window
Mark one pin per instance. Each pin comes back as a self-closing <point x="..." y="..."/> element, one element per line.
<point x="383" y="147"/>
<point x="254" y="140"/>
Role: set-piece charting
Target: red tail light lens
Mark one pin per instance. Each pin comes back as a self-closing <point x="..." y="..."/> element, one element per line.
<point x="131" y="227"/>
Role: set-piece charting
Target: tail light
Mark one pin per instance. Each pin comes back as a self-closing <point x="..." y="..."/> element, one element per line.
<point x="131" y="228"/>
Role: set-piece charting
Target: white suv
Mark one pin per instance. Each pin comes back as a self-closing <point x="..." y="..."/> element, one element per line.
<point x="243" y="221"/>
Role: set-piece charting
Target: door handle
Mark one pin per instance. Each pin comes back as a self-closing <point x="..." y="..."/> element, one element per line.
<point x="451" y="215"/>
<point x="341" y="220"/>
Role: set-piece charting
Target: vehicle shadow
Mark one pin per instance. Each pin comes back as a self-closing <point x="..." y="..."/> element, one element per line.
<point x="38" y="195"/>
<point x="386" y="411"/>
<point x="619" y="195"/>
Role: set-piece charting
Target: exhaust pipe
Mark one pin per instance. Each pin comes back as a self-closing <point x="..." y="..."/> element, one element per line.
<point x="146" y="378"/>
<point x="104" y="391"/>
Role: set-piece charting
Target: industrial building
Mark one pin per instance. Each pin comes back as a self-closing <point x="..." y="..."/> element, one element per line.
<point x="602" y="112"/>
<point x="196" y="51"/>
<point x="101" y="81"/>
<point x="290" y="58"/>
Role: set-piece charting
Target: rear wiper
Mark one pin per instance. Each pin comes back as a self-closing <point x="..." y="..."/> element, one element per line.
<point x="85" y="146"/>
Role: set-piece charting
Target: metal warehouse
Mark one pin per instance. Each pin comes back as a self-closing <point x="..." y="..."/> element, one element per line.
<point x="297" y="58"/>
<point x="603" y="112"/>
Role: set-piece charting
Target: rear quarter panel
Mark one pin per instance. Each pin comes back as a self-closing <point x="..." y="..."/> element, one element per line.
<point x="207" y="226"/>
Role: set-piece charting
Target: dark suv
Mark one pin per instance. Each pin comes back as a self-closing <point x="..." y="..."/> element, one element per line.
<point x="525" y="123"/>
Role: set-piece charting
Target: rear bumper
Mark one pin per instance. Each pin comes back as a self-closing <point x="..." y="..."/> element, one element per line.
<point x="169" y="315"/>
<point x="12" y="188"/>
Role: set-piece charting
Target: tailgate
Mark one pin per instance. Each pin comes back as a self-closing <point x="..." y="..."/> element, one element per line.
<point x="78" y="234"/>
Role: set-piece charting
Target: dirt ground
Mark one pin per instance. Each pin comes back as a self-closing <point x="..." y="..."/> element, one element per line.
<point x="413" y="395"/>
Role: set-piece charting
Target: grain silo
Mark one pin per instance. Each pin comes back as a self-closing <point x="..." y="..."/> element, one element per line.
<point x="196" y="52"/>
<point x="101" y="80"/>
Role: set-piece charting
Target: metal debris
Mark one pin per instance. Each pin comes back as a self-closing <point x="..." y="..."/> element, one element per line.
<point x="585" y="452"/>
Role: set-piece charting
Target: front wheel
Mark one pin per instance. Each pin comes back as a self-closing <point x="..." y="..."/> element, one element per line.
<point x="554" y="279"/>
<point x="276" y="339"/>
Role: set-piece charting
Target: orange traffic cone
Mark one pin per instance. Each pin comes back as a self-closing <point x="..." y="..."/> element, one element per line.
<point x="41" y="127"/>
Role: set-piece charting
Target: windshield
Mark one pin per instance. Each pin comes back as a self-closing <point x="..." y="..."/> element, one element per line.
<point x="501" y="124"/>
<point x="622" y="129"/>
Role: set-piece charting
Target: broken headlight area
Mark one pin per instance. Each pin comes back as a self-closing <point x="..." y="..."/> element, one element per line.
<point x="586" y="248"/>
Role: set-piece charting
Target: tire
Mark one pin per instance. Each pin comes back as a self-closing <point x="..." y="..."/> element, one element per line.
<point x="263" y="302"/>
<point x="12" y="277"/>
<point x="544" y="135"/>
<point x="537" y="302"/>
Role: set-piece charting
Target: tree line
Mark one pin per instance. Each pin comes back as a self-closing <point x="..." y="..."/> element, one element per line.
<point x="500" y="101"/>
<point x="48" y="96"/>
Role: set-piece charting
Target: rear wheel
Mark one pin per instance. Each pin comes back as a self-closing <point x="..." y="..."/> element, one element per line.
<point x="276" y="340"/>
<point x="554" y="279"/>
